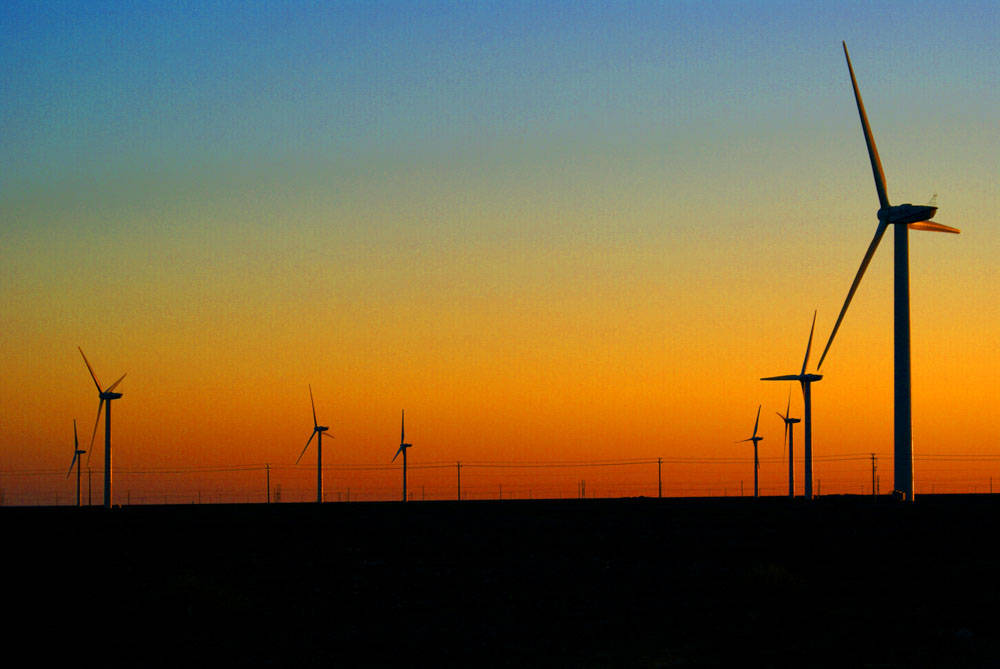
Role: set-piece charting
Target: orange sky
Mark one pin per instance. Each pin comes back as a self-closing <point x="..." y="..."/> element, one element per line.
<point x="571" y="250"/>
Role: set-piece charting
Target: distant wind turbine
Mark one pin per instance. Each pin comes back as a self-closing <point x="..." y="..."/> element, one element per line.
<point x="76" y="461"/>
<point x="904" y="217"/>
<point x="403" y="447"/>
<point x="756" y="461"/>
<point x="317" y="432"/>
<point x="106" y="395"/>
<point x="789" y="431"/>
<point x="806" y="381"/>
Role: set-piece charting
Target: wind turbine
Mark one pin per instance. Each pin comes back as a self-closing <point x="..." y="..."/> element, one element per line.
<point x="77" y="460"/>
<point x="806" y="381"/>
<point x="756" y="462"/>
<point x="789" y="431"/>
<point x="317" y="430"/>
<point x="105" y="395"/>
<point x="403" y="447"/>
<point x="905" y="217"/>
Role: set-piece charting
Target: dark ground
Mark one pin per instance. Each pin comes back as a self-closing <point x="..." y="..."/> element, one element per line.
<point x="840" y="581"/>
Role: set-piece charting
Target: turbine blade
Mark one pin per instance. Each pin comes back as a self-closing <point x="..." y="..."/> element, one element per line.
<point x="879" y="232"/>
<point x="397" y="453"/>
<point x="113" y="385"/>
<point x="402" y="429"/>
<point x="788" y="408"/>
<point x="883" y="198"/>
<point x="72" y="462"/>
<point x="100" y="405"/>
<point x="90" y="369"/>
<point x="305" y="447"/>
<point x="805" y="360"/>
<point x="932" y="226"/>
<point x="315" y="422"/>
<point x="756" y="421"/>
<point x="786" y="377"/>
<point x="76" y="441"/>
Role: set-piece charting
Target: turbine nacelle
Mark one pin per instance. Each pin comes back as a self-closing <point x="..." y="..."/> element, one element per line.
<point x="110" y="396"/>
<point x="907" y="213"/>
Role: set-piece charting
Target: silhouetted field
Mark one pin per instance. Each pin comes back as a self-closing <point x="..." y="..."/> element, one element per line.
<point x="840" y="581"/>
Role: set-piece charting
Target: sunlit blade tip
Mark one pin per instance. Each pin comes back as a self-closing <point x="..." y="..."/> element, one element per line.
<point x="932" y="226"/>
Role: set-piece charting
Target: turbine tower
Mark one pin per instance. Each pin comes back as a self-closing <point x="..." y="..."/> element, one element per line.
<point x="317" y="432"/>
<point x="106" y="395"/>
<point x="77" y="460"/>
<point x="756" y="461"/>
<point x="403" y="447"/>
<point x="904" y="217"/>
<point x="806" y="381"/>
<point x="789" y="431"/>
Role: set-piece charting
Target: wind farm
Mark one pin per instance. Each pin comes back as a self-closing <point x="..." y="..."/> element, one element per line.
<point x="568" y="239"/>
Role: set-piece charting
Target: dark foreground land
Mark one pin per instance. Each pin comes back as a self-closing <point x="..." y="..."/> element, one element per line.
<point x="647" y="583"/>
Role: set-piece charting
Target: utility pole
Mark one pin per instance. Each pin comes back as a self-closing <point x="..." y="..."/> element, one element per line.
<point x="267" y="468"/>
<point x="659" y="478"/>
<point x="458" y="469"/>
<point x="874" y="467"/>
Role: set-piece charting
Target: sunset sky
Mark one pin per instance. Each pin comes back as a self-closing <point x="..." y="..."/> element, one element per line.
<point x="549" y="231"/>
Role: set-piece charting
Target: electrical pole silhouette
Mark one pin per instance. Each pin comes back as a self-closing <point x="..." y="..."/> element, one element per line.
<point x="458" y="469"/>
<point x="659" y="478"/>
<point x="874" y="467"/>
<point x="267" y="468"/>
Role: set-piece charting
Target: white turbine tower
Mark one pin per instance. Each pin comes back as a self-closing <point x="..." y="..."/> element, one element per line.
<point x="76" y="461"/>
<point x="756" y="461"/>
<point x="403" y="447"/>
<point x="789" y="432"/>
<point x="806" y="381"/>
<point x="106" y="395"/>
<point x="904" y="217"/>
<point x="317" y="432"/>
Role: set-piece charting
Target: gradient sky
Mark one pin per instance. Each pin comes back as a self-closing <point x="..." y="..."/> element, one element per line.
<point x="563" y="232"/>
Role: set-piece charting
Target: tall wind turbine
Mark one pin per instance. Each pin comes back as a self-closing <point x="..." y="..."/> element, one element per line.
<point x="317" y="432"/>
<point x="789" y="432"/>
<point x="756" y="461"/>
<point x="77" y="460"/>
<point x="106" y="395"/>
<point x="806" y="381"/>
<point x="904" y="217"/>
<point x="403" y="447"/>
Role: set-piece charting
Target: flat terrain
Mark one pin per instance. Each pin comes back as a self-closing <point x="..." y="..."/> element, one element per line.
<point x="840" y="581"/>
